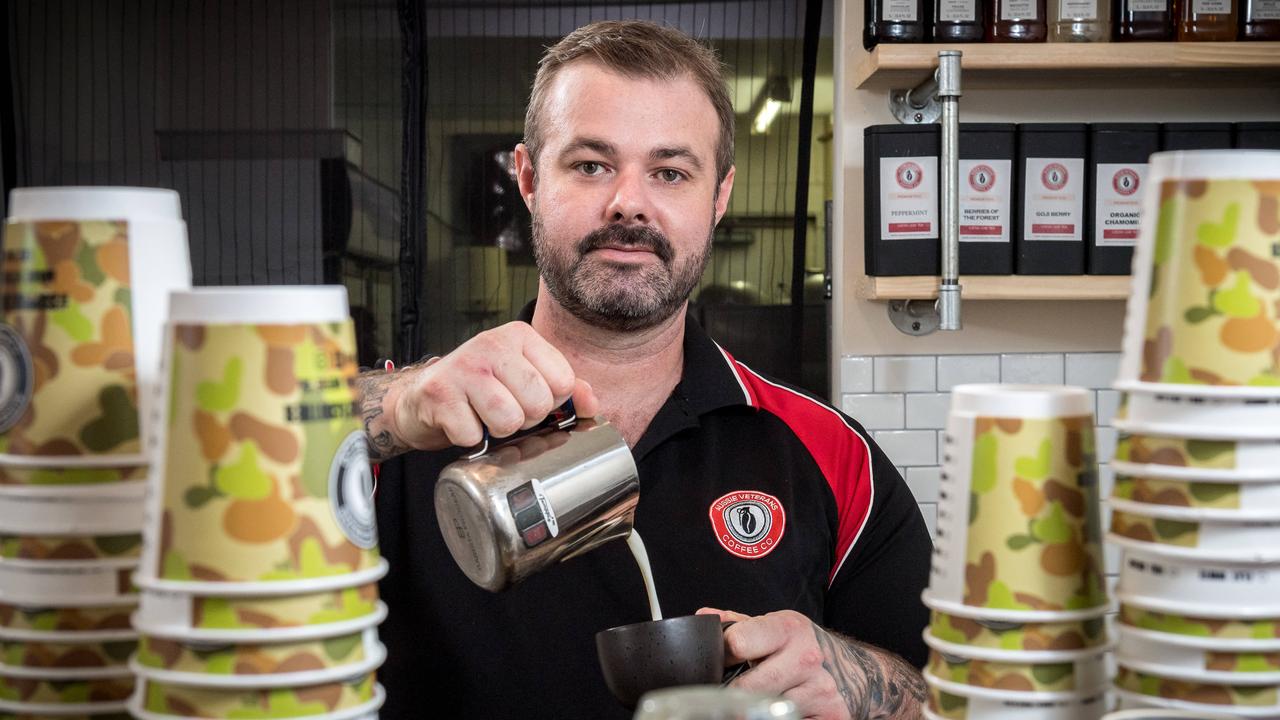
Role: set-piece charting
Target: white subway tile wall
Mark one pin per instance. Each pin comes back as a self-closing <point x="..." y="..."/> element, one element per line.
<point x="903" y="402"/>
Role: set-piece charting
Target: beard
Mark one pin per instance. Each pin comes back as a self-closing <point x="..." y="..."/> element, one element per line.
<point x="613" y="296"/>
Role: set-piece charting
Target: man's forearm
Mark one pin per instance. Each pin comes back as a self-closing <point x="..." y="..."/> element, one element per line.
<point x="875" y="685"/>
<point x="373" y="388"/>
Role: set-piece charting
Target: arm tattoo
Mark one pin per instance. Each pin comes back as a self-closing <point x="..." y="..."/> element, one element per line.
<point x="875" y="684"/>
<point x="373" y="387"/>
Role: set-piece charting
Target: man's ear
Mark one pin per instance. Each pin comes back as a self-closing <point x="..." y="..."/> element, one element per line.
<point x="524" y="174"/>
<point x="722" y="193"/>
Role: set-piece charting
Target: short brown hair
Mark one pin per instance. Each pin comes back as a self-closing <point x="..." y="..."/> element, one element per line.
<point x="637" y="49"/>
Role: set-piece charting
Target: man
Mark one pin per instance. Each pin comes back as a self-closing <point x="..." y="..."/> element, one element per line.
<point x="626" y="169"/>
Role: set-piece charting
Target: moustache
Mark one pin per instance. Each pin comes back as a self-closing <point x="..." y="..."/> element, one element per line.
<point x="640" y="237"/>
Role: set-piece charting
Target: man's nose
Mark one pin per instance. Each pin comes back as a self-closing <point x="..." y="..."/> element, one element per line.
<point x="630" y="201"/>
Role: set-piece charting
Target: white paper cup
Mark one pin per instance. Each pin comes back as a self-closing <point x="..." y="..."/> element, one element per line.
<point x="180" y="614"/>
<point x="91" y="582"/>
<point x="77" y="711"/>
<point x="947" y="706"/>
<point x="1200" y="589"/>
<point x="1226" y="633"/>
<point x="111" y="509"/>
<point x="1188" y="457"/>
<point x="1132" y="684"/>
<point x="1181" y="284"/>
<point x="1195" y="500"/>
<point x="1170" y="656"/>
<point x="45" y="694"/>
<point x="72" y="657"/>
<point x="1171" y="534"/>
<point x="1029" y="550"/>
<point x="1010" y="696"/>
<point x="1061" y="679"/>
<point x="288" y="634"/>
<point x="159" y="262"/>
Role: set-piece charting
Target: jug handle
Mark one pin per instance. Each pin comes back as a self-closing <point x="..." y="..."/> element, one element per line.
<point x="561" y="418"/>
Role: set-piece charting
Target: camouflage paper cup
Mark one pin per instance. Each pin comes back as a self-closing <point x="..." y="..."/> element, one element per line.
<point x="1190" y="458"/>
<point x="111" y="715"/>
<point x="1195" y="499"/>
<point x="1011" y="636"/>
<point x="333" y="701"/>
<point x="180" y="657"/>
<point x="1239" y="700"/>
<point x="1072" y="677"/>
<point x="229" y="667"/>
<point x="53" y="548"/>
<point x="1187" y="534"/>
<point x="266" y="619"/>
<point x="70" y="659"/>
<point x="998" y="655"/>
<point x="265" y="483"/>
<point x="1170" y="656"/>
<point x="1201" y="318"/>
<point x="91" y="582"/>
<point x="1210" y="633"/>
<point x="297" y="633"/>
<point x="944" y="705"/>
<point x="1198" y="588"/>
<point x="109" y="509"/>
<point x="57" y="622"/>
<point x="81" y="346"/>
<point x="71" y="478"/>
<point x="1019" y="537"/>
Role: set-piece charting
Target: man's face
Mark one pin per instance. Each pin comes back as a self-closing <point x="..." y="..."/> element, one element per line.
<point x="625" y="195"/>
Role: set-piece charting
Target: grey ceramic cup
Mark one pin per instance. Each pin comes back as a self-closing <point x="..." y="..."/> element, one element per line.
<point x="686" y="650"/>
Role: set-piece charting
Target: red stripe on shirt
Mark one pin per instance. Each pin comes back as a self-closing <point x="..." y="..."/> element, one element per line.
<point x="840" y="451"/>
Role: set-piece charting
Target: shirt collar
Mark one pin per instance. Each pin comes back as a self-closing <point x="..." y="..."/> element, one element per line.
<point x="710" y="381"/>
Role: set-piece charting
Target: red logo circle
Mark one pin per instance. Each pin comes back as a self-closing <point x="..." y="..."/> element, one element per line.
<point x="1125" y="181"/>
<point x="982" y="178"/>
<point x="748" y="524"/>
<point x="909" y="175"/>
<point x="1054" y="176"/>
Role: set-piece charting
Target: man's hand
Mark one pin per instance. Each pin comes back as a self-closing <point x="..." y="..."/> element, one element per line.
<point x="827" y="676"/>
<point x="506" y="379"/>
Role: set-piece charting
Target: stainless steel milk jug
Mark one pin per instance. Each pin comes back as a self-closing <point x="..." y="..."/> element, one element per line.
<point x="510" y="511"/>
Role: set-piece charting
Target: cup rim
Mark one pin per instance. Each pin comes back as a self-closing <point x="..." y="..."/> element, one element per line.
<point x="1028" y="657"/>
<point x="297" y="633"/>
<point x="360" y="712"/>
<point x="1178" y="607"/>
<point x="1019" y="616"/>
<point x="1158" y="713"/>
<point x="1210" y="516"/>
<point x="123" y="491"/>
<point x="1258" y="476"/>
<point x="66" y="637"/>
<point x="214" y="305"/>
<point x="265" y="680"/>
<point x="1199" y="642"/>
<point x="974" y="691"/>
<point x="63" y="567"/>
<point x="278" y="588"/>
<point x="1201" y="432"/>
<point x="31" y="462"/>
<point x="1211" y="677"/>
<point x="635" y="627"/>
<point x="1028" y="401"/>
<point x="1255" y="556"/>
<point x="1208" y="392"/>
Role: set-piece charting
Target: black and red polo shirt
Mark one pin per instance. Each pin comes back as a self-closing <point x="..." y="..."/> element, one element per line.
<point x="754" y="497"/>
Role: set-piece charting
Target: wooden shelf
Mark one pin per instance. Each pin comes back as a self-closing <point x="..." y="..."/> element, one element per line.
<point x="996" y="65"/>
<point x="1000" y="287"/>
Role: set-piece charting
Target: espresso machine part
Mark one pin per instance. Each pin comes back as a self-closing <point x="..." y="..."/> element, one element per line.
<point x="519" y="506"/>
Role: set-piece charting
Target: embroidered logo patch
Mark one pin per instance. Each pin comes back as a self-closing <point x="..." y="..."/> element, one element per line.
<point x="748" y="524"/>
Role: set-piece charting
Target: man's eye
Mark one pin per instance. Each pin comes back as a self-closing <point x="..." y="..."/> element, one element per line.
<point x="671" y="176"/>
<point x="590" y="168"/>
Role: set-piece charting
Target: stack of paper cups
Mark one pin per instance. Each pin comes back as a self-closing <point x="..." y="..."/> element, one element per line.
<point x="260" y="565"/>
<point x="79" y="350"/>
<point x="1016" y="588"/>
<point x="1196" y="505"/>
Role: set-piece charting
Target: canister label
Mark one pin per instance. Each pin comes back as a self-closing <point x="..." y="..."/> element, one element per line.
<point x="1211" y="7"/>
<point x="958" y="10"/>
<point x="1018" y="10"/>
<point x="1054" y="206"/>
<point x="900" y="10"/>
<point x="985" y="197"/>
<point x="908" y="198"/>
<point x="1265" y="10"/>
<point x="1078" y="10"/>
<point x="1117" y="203"/>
